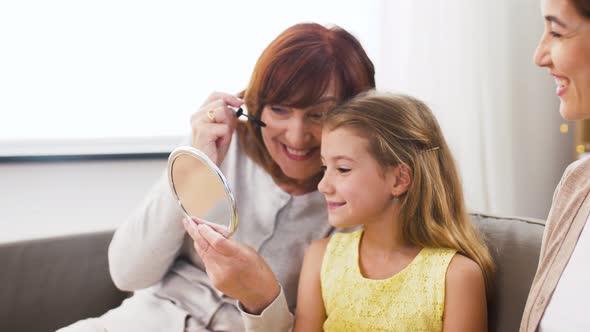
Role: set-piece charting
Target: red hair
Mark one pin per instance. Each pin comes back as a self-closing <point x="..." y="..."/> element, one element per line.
<point x="296" y="70"/>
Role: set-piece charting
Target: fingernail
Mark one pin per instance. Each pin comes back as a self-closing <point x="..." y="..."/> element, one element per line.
<point x="188" y="224"/>
<point x="202" y="228"/>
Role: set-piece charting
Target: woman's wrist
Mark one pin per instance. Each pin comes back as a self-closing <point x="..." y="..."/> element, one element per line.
<point x="260" y="301"/>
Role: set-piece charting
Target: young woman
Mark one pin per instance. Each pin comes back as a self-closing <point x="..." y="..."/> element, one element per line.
<point x="556" y="301"/>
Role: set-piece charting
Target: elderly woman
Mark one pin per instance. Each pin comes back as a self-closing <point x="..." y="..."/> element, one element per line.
<point x="274" y="171"/>
<point x="557" y="300"/>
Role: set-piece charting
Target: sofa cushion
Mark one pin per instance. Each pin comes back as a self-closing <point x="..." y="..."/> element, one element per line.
<point x="50" y="283"/>
<point x="515" y="244"/>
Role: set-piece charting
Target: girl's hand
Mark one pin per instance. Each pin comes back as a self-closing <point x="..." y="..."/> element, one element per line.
<point x="214" y="124"/>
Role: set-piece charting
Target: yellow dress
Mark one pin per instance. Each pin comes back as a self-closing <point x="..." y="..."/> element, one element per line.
<point x="412" y="300"/>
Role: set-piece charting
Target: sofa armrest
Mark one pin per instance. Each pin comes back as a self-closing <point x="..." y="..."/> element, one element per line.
<point x="50" y="283"/>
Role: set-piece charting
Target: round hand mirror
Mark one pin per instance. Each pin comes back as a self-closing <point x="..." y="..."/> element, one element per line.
<point x="201" y="189"/>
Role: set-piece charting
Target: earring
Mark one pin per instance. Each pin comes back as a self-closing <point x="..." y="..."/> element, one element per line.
<point x="395" y="199"/>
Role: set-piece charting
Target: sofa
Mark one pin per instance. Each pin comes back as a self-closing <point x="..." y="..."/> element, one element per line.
<point x="50" y="283"/>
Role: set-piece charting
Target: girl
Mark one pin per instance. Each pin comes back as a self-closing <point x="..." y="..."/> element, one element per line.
<point x="417" y="264"/>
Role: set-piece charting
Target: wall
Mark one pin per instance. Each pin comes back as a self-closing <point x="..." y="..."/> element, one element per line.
<point x="39" y="199"/>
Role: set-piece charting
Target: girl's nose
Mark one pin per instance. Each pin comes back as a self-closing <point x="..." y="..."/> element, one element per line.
<point x="324" y="186"/>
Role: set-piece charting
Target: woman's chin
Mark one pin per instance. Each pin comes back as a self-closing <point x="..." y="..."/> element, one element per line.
<point x="573" y="112"/>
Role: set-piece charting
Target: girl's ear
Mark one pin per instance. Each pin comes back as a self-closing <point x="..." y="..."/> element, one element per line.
<point x="402" y="178"/>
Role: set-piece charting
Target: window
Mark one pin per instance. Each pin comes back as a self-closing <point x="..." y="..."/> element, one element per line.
<point x="116" y="77"/>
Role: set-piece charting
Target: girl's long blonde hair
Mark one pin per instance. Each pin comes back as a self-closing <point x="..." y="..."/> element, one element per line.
<point x="403" y="130"/>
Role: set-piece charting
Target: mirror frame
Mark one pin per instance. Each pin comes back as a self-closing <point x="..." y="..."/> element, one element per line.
<point x="190" y="151"/>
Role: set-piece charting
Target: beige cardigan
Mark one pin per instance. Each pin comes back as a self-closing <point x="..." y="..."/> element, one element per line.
<point x="151" y="249"/>
<point x="568" y="215"/>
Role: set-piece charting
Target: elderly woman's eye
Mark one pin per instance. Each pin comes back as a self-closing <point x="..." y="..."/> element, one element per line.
<point x="316" y="117"/>
<point x="278" y="110"/>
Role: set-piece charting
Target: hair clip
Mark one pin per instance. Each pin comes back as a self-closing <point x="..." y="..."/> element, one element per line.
<point x="433" y="149"/>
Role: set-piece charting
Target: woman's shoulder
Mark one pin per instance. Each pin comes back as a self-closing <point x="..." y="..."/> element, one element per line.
<point x="574" y="184"/>
<point x="577" y="171"/>
<point x="569" y="195"/>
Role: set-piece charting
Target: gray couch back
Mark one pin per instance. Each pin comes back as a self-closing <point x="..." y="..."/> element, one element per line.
<point x="515" y="244"/>
<point x="46" y="284"/>
<point x="49" y="283"/>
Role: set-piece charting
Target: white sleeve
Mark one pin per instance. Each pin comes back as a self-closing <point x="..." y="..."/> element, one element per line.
<point x="146" y="244"/>
<point x="275" y="317"/>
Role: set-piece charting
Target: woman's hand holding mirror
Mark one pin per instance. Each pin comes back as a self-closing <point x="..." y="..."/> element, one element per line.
<point x="204" y="197"/>
<point x="234" y="268"/>
<point x="221" y="229"/>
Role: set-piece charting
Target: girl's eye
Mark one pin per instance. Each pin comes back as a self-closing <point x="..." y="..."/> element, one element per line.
<point x="555" y="34"/>
<point x="343" y="169"/>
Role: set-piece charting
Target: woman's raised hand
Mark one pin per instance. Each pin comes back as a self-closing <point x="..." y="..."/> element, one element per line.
<point x="214" y="124"/>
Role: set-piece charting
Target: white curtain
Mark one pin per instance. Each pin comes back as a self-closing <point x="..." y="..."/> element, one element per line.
<point x="471" y="61"/>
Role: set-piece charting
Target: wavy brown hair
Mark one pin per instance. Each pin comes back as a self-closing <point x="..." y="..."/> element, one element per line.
<point x="296" y="70"/>
<point x="402" y="130"/>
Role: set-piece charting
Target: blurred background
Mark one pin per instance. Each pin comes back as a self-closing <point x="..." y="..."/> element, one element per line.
<point x="94" y="95"/>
